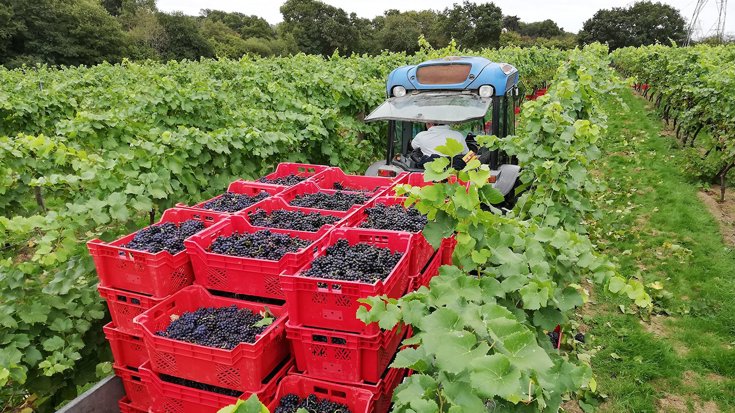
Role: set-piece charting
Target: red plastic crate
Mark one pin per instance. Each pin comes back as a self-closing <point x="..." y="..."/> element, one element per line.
<point x="124" y="306"/>
<point x="128" y="350"/>
<point x="242" y="368"/>
<point x="240" y="275"/>
<point x="431" y="271"/>
<point x="448" y="250"/>
<point x="300" y="169"/>
<point x="356" y="399"/>
<point x="135" y="389"/>
<point x="274" y="204"/>
<point x="311" y="188"/>
<point x="369" y="184"/>
<point x="343" y="357"/>
<point x="174" y="398"/>
<point x="421" y="250"/>
<point x="332" y="304"/>
<point x="240" y="187"/>
<point x="157" y="274"/>
<point x="126" y="407"/>
<point x="383" y="390"/>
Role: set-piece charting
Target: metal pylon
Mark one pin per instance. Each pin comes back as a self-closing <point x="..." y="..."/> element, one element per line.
<point x="721" y="18"/>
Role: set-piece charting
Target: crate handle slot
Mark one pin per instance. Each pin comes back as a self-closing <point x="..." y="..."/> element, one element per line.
<point x="122" y="298"/>
<point x="134" y="301"/>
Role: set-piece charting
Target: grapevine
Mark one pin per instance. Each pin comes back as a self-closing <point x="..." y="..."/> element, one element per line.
<point x="100" y="150"/>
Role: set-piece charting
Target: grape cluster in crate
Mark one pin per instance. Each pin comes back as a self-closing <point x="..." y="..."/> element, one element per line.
<point x="255" y="292"/>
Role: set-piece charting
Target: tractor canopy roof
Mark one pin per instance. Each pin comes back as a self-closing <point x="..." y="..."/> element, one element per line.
<point x="448" y="90"/>
<point x="454" y="73"/>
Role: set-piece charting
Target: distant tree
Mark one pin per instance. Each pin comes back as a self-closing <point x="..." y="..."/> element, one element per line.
<point x="9" y="27"/>
<point x="547" y="28"/>
<point x="67" y="32"/>
<point x="147" y="39"/>
<point x="225" y="41"/>
<point x="643" y="23"/>
<point x="245" y="26"/>
<point x="127" y="7"/>
<point x="512" y="23"/>
<point x="317" y="27"/>
<point x="400" y="31"/>
<point x="182" y="38"/>
<point x="472" y="25"/>
<point x="366" y="34"/>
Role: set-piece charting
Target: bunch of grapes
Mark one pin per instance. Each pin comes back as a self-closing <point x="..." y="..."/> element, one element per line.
<point x="360" y="262"/>
<point x="168" y="236"/>
<point x="295" y="220"/>
<point x="200" y="386"/>
<point x="290" y="403"/>
<point x="395" y="218"/>
<point x="554" y="337"/>
<point x="288" y="180"/>
<point x="223" y="327"/>
<point x="341" y="187"/>
<point x="261" y="244"/>
<point x="339" y="201"/>
<point x="232" y="202"/>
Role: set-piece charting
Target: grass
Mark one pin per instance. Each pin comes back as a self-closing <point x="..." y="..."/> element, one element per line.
<point x="654" y="224"/>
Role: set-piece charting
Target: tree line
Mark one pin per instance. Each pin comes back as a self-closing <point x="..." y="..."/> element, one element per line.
<point x="74" y="32"/>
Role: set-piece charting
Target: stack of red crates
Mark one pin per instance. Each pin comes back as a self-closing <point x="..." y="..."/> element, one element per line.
<point x="132" y="282"/>
<point x="315" y="346"/>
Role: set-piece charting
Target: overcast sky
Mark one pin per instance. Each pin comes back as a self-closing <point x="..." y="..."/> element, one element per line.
<point x="569" y="14"/>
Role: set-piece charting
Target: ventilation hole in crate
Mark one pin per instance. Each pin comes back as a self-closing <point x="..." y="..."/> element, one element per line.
<point x="273" y="285"/>
<point x="216" y="277"/>
<point x="343" y="354"/>
<point x="121" y="264"/>
<point x="228" y="376"/>
<point x="172" y="406"/>
<point x="181" y="277"/>
<point x="137" y="347"/>
<point x="139" y="267"/>
<point x="124" y="310"/>
<point x="343" y="301"/>
<point x="318" y="351"/>
<point x="319" y="298"/>
<point x="165" y="362"/>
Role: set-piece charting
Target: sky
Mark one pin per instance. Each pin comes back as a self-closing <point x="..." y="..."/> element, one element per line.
<point x="569" y="14"/>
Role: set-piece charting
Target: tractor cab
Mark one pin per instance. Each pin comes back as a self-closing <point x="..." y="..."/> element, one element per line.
<point x="472" y="94"/>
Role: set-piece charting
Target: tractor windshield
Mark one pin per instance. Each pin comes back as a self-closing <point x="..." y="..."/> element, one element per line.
<point x="432" y="107"/>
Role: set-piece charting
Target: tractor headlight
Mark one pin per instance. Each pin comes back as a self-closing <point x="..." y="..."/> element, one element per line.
<point x="486" y="91"/>
<point x="399" y="91"/>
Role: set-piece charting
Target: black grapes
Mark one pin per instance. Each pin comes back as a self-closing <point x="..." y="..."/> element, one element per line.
<point x="360" y="262"/>
<point x="223" y="327"/>
<point x="261" y="244"/>
<point x="395" y="218"/>
<point x="290" y="403"/>
<point x="295" y="220"/>
<point x="579" y="337"/>
<point x="288" y="180"/>
<point x="341" y="187"/>
<point x="339" y="201"/>
<point x="200" y="386"/>
<point x="233" y="202"/>
<point x="554" y="337"/>
<point x="168" y="236"/>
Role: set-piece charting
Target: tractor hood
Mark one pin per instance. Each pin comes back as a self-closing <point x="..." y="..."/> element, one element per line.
<point x="435" y="107"/>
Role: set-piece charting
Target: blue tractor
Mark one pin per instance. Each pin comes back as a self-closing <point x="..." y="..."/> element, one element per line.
<point x="473" y="94"/>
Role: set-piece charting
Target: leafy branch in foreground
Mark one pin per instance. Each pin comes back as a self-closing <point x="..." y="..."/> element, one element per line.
<point x="480" y="329"/>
